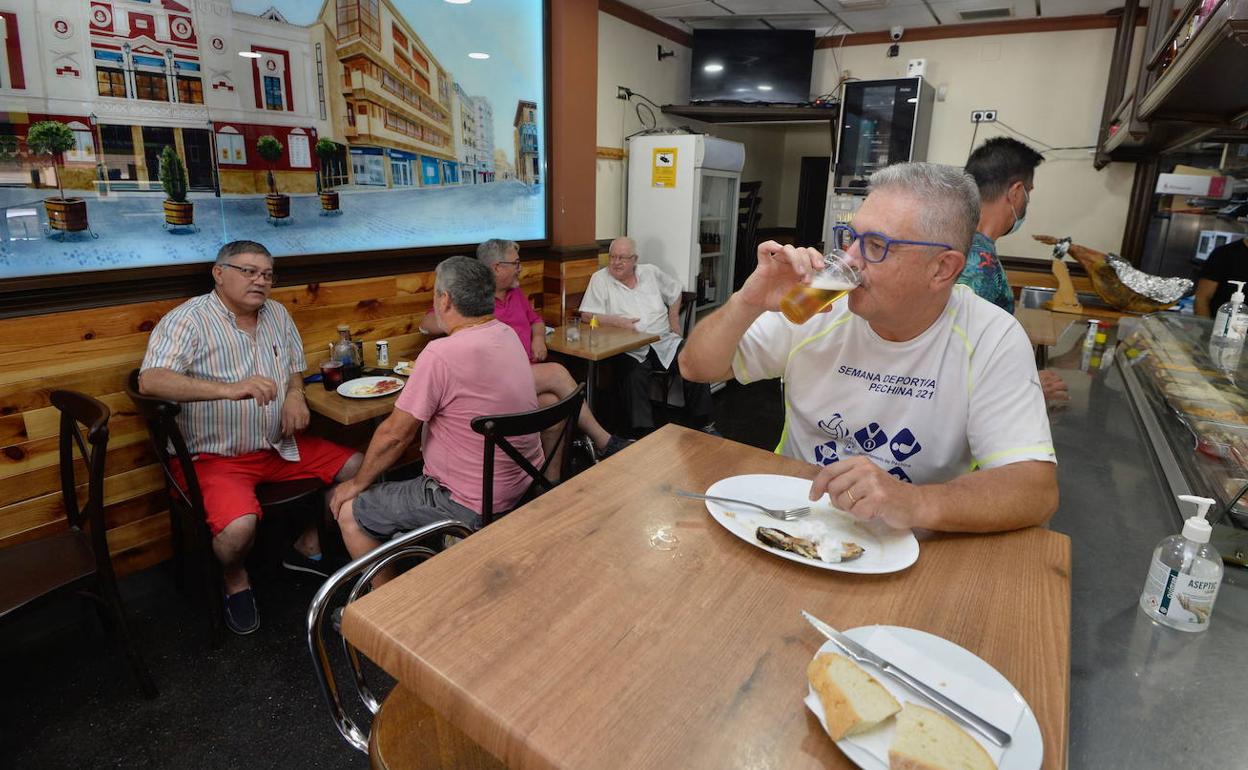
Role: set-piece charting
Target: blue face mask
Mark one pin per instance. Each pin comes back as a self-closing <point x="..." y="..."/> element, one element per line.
<point x="1018" y="221"/>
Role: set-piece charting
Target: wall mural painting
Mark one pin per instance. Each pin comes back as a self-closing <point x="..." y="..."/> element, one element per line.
<point x="137" y="133"/>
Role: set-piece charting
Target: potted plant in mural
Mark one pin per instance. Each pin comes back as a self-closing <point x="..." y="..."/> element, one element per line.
<point x="53" y="138"/>
<point x="179" y="212"/>
<point x="271" y="151"/>
<point x="326" y="150"/>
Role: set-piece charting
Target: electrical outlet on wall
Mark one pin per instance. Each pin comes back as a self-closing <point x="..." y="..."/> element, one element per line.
<point x="623" y="92"/>
<point x="983" y="116"/>
<point x="977" y="116"/>
<point x="990" y="116"/>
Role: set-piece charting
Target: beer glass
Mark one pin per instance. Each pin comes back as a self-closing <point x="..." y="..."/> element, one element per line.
<point x="837" y="279"/>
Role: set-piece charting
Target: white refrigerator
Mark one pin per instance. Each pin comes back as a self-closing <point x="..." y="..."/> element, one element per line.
<point x="682" y="208"/>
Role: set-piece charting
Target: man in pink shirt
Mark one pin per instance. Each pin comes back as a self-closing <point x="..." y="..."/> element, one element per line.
<point x="552" y="380"/>
<point x="476" y="369"/>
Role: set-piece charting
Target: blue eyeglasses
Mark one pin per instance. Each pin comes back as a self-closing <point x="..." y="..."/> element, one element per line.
<point x="874" y="246"/>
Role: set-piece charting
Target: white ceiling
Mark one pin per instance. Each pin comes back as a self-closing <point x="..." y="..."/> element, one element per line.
<point x="837" y="17"/>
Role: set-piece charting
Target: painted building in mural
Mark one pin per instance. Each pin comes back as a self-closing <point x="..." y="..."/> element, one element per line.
<point x="528" y="164"/>
<point x="131" y="78"/>
<point x="485" y="137"/>
<point x="474" y="142"/>
<point x="398" y="118"/>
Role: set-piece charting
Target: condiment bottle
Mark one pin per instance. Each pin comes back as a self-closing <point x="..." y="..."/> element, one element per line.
<point x="1185" y="574"/>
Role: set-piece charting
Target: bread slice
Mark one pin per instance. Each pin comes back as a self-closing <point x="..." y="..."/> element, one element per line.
<point x="929" y="740"/>
<point x="853" y="701"/>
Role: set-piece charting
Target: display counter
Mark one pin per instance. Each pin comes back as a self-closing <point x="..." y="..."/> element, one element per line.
<point x="1142" y="695"/>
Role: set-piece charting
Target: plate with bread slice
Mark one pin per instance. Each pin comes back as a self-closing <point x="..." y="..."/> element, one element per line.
<point x="881" y="725"/>
<point x="827" y="538"/>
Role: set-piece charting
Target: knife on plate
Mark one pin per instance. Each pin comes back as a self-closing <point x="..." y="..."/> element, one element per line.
<point x="863" y="655"/>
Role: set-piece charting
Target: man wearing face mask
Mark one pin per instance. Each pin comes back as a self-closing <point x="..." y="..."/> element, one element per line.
<point x="1004" y="170"/>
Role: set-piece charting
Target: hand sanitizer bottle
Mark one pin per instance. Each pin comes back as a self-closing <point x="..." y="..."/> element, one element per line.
<point x="1231" y="322"/>
<point x="1184" y="577"/>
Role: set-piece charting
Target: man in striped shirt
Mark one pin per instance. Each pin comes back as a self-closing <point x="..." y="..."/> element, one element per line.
<point x="234" y="360"/>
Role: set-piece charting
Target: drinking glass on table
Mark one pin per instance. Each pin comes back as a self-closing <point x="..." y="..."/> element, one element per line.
<point x="572" y="331"/>
<point x="331" y="374"/>
<point x="837" y="279"/>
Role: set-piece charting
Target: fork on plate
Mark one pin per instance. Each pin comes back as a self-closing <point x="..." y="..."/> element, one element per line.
<point x="783" y="514"/>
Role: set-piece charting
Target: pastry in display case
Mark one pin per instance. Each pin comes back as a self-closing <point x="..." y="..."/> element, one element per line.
<point x="1193" y="402"/>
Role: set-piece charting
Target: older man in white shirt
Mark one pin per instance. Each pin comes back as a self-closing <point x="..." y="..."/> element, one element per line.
<point x="644" y="298"/>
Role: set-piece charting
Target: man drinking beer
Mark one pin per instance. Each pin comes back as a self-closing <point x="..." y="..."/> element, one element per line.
<point x="907" y="383"/>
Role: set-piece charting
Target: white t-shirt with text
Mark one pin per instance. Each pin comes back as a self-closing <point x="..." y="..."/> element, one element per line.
<point x="964" y="394"/>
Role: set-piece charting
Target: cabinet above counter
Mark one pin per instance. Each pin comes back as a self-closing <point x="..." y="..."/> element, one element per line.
<point x="1187" y="87"/>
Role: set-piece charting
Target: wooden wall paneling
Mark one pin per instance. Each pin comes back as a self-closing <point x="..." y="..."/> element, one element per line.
<point x="57" y="328"/>
<point x="32" y="393"/>
<point x="336" y="293"/>
<point x="70" y="357"/>
<point x="25" y="485"/>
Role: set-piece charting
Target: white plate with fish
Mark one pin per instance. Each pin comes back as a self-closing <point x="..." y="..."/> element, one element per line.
<point x="370" y="387"/>
<point x="884" y="549"/>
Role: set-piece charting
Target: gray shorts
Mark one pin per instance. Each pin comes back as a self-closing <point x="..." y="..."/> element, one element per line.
<point x="385" y="509"/>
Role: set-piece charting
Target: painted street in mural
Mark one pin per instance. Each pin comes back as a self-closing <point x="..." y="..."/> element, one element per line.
<point x="132" y="235"/>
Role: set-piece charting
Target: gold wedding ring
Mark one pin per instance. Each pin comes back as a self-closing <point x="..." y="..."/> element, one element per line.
<point x="852" y="500"/>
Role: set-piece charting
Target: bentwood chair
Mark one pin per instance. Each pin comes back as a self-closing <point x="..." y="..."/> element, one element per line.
<point x="664" y="378"/>
<point x="356" y="578"/>
<point x="76" y="559"/>
<point x="187" y="520"/>
<point x="498" y="428"/>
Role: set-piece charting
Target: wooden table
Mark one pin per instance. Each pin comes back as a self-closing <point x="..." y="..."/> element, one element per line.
<point x="347" y="411"/>
<point x="607" y="341"/>
<point x="611" y="624"/>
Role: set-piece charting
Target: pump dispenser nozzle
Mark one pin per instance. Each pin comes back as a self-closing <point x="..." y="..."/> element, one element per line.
<point x="1197" y="528"/>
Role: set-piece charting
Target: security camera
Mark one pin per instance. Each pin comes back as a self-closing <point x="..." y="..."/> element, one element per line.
<point x="895" y="33"/>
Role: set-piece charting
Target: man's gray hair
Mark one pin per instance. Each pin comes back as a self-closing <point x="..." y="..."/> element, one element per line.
<point x="947" y="198"/>
<point x="469" y="283"/>
<point x="495" y="250"/>
<point x="234" y="248"/>
<point x="632" y="245"/>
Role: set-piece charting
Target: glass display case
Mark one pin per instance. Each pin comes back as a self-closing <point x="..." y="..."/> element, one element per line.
<point x="1190" y="394"/>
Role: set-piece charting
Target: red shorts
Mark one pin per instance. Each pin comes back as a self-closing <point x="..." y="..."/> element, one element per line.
<point x="229" y="484"/>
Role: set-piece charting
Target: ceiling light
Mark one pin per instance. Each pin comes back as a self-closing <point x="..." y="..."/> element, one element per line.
<point x="459" y="2"/>
<point x="477" y="54"/>
<point x="764" y="88"/>
<point x="249" y="54"/>
<point x="713" y="68"/>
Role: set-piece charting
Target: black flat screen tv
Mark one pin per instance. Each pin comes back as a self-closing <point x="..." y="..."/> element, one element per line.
<point x="760" y="66"/>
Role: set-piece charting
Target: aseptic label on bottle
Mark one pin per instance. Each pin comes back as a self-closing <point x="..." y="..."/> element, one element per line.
<point x="1237" y="329"/>
<point x="1181" y="598"/>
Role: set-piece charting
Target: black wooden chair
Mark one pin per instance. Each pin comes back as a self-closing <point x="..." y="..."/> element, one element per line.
<point x="74" y="560"/>
<point x="498" y="428"/>
<point x="187" y="520"/>
<point x="688" y="302"/>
